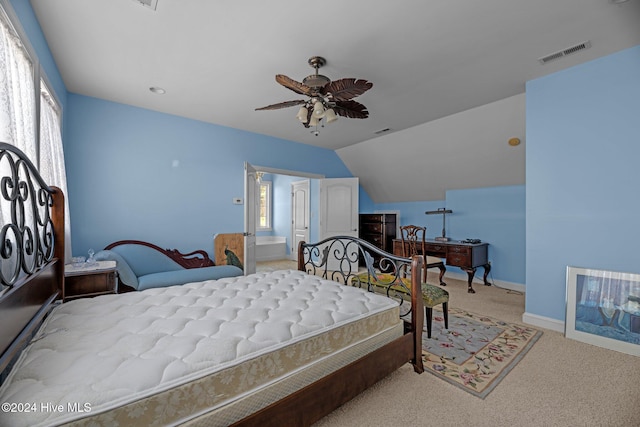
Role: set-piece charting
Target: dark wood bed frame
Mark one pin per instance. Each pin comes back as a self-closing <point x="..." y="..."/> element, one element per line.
<point x="36" y="248"/>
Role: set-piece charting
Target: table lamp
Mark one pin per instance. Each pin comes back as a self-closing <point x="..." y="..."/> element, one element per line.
<point x="443" y="212"/>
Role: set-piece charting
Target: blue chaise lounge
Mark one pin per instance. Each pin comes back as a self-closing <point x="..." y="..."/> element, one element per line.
<point x="143" y="265"/>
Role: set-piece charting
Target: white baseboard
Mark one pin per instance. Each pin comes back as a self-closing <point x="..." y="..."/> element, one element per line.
<point x="543" y="322"/>
<point x="518" y="287"/>
<point x="529" y="318"/>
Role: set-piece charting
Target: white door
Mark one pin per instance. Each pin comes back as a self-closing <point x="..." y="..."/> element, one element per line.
<point x="250" y="209"/>
<point x="338" y="207"/>
<point x="300" y="215"/>
<point x="339" y="212"/>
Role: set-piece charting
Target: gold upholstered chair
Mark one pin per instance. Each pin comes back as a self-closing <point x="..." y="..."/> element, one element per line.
<point x="413" y="243"/>
<point x="432" y="295"/>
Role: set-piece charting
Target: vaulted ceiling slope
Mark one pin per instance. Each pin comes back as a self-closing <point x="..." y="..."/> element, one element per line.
<point x="427" y="60"/>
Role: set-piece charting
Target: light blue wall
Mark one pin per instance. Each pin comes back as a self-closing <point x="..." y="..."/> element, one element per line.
<point x="413" y="213"/>
<point x="139" y="174"/>
<point x="494" y="215"/>
<point x="583" y="151"/>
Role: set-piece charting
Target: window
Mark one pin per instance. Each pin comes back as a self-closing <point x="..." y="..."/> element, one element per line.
<point x="30" y="115"/>
<point x="17" y="91"/>
<point x="264" y="205"/>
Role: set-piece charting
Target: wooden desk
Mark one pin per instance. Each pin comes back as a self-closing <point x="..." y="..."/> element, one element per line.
<point x="467" y="256"/>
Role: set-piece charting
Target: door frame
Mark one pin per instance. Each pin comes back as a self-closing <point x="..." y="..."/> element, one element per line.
<point x="250" y="206"/>
<point x="307" y="183"/>
<point x="267" y="169"/>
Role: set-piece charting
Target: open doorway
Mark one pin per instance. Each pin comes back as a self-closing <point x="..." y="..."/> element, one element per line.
<point x="332" y="209"/>
<point x="275" y="237"/>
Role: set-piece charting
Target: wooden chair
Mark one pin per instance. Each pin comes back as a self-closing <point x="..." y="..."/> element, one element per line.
<point x="413" y="243"/>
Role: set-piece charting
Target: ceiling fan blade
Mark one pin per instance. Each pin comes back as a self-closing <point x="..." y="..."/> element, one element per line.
<point x="346" y="89"/>
<point x="279" y="105"/>
<point x="295" y="86"/>
<point x="351" y="109"/>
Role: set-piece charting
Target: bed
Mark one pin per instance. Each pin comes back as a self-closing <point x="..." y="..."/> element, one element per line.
<point x="274" y="348"/>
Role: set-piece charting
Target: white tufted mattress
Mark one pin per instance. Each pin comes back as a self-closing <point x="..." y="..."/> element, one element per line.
<point x="213" y="351"/>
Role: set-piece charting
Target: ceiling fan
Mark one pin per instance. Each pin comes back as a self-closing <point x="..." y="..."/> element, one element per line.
<point x="326" y="99"/>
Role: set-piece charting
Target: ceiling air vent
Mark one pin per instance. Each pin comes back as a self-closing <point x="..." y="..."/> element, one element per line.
<point x="381" y="131"/>
<point x="151" y="4"/>
<point x="565" y="52"/>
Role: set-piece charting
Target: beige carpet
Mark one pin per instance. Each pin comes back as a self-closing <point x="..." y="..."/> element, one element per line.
<point x="283" y="264"/>
<point x="560" y="382"/>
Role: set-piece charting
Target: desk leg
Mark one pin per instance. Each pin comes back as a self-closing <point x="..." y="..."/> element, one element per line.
<point x="442" y="271"/>
<point x="470" y="272"/>
<point x="487" y="270"/>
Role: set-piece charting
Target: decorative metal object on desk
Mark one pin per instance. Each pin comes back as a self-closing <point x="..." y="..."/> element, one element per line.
<point x="443" y="212"/>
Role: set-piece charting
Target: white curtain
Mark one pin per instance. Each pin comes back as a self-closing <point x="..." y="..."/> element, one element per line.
<point x="19" y="122"/>
<point x="17" y="92"/>
<point x="52" y="156"/>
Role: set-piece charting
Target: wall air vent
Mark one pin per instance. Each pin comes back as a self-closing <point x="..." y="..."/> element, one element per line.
<point x="381" y="131"/>
<point x="565" y="52"/>
<point x="151" y="4"/>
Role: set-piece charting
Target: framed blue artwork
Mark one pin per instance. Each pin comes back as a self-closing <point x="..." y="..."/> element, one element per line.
<point x="603" y="309"/>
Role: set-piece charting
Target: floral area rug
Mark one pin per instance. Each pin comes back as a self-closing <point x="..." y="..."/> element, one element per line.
<point x="476" y="352"/>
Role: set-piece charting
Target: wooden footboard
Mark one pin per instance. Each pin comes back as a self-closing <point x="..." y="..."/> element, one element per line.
<point x="319" y="399"/>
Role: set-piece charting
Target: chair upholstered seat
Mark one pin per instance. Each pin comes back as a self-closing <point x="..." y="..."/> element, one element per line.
<point x="432" y="295"/>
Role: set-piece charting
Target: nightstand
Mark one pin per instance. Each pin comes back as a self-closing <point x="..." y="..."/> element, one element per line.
<point x="84" y="280"/>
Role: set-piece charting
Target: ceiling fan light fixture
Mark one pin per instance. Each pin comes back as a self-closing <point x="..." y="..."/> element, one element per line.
<point x="330" y="116"/>
<point x="326" y="99"/>
<point x="318" y="109"/>
<point x="302" y="115"/>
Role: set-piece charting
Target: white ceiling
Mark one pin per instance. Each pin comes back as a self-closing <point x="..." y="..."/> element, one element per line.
<point x="427" y="59"/>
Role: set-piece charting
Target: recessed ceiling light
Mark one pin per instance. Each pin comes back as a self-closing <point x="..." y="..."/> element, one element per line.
<point x="157" y="90"/>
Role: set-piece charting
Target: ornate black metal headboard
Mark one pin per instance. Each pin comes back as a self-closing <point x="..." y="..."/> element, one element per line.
<point x="31" y="249"/>
<point x="27" y="238"/>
